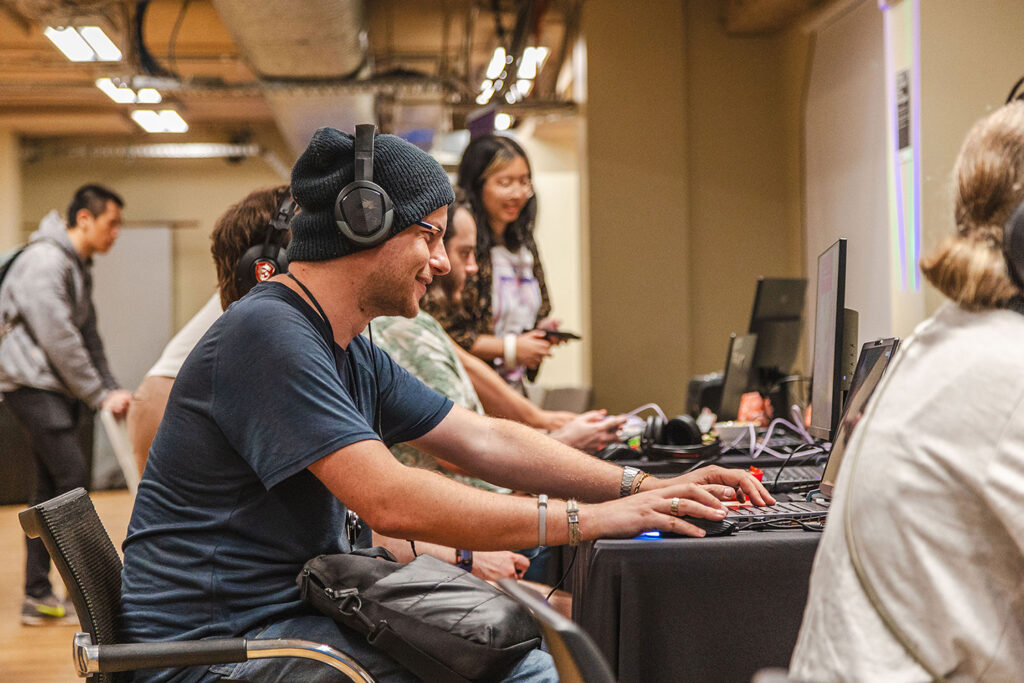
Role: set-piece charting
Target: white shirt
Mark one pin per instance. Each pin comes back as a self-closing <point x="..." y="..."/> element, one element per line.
<point x="934" y="479"/>
<point x="181" y="344"/>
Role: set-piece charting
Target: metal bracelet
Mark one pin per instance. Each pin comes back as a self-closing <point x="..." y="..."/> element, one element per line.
<point x="628" y="475"/>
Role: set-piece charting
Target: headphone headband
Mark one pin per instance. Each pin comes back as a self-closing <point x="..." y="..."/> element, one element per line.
<point x="364" y="151"/>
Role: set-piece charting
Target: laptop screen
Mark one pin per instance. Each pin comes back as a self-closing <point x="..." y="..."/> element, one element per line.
<point x="737" y="375"/>
<point x="874" y="357"/>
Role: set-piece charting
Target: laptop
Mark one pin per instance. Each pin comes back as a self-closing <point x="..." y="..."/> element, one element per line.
<point x="874" y="359"/>
<point x="737" y="374"/>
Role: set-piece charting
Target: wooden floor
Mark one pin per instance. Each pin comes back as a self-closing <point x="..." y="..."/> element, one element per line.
<point x="42" y="654"/>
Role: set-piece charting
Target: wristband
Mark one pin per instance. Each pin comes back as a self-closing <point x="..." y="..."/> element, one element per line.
<point x="629" y="474"/>
<point x="510" y="351"/>
<point x="542" y="520"/>
<point x="572" y="511"/>
<point x="636" y="482"/>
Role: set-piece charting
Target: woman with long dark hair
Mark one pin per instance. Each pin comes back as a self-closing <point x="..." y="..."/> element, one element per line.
<point x="506" y="303"/>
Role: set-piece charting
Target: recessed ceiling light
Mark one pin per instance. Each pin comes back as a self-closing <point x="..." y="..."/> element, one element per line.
<point x="163" y="121"/>
<point x="104" y="47"/>
<point x="83" y="44"/>
<point x="71" y="44"/>
<point x="121" y="94"/>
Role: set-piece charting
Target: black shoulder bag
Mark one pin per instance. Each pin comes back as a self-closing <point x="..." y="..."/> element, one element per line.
<point x="437" y="620"/>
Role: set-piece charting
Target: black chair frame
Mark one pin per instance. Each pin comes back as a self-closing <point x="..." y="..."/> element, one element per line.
<point x="91" y="568"/>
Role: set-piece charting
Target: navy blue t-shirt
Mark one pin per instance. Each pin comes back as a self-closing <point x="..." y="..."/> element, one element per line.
<point x="227" y="513"/>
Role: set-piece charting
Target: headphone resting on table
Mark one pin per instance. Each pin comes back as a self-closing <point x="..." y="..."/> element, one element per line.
<point x="261" y="262"/>
<point x="363" y="210"/>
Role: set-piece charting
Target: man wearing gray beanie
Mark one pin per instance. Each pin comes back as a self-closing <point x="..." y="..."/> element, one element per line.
<point x="280" y="422"/>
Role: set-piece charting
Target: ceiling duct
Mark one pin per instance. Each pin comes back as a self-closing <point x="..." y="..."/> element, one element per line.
<point x="304" y="42"/>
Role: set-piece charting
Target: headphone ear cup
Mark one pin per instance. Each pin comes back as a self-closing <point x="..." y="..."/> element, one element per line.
<point x="258" y="264"/>
<point x="1013" y="246"/>
<point x="653" y="431"/>
<point x="363" y="213"/>
<point x="682" y="431"/>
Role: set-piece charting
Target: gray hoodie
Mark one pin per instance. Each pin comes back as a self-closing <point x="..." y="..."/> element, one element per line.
<point x="48" y="322"/>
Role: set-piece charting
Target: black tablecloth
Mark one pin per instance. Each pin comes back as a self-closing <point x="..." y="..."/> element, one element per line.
<point x="710" y="609"/>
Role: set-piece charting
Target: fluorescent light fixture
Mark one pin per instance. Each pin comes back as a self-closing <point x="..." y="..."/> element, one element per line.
<point x="71" y="44"/>
<point x="497" y="64"/>
<point x="149" y="96"/>
<point x="163" y="121"/>
<point x="533" y="58"/>
<point x="486" y="84"/>
<point x="524" y="87"/>
<point x="121" y="94"/>
<point x="485" y="96"/>
<point x="502" y="121"/>
<point x="104" y="47"/>
<point x="84" y="44"/>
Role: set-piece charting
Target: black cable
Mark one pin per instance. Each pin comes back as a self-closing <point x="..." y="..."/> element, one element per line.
<point x="703" y="462"/>
<point x="146" y="60"/>
<point x="172" y="42"/>
<point x="792" y="453"/>
<point x="412" y="544"/>
<point x="565" y="575"/>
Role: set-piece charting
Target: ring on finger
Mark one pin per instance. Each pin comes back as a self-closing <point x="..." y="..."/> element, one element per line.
<point x="675" y="507"/>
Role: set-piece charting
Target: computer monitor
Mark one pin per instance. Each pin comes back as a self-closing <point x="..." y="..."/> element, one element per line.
<point x="737" y="375"/>
<point x="874" y="358"/>
<point x="835" y="334"/>
<point x="777" y="320"/>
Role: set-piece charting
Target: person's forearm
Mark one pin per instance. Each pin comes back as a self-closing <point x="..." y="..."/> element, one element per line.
<point x="512" y="455"/>
<point x="488" y="347"/>
<point x="403" y="552"/>
<point x="496" y="396"/>
<point x="410" y="503"/>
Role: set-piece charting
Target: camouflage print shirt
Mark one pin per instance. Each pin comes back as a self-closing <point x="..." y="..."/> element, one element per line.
<point x="422" y="347"/>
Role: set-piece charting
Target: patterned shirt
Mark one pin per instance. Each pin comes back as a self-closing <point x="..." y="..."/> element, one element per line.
<point x="422" y="347"/>
<point x="476" y="315"/>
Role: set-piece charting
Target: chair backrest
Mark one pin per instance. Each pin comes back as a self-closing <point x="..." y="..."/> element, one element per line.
<point x="576" y="656"/>
<point x="85" y="557"/>
<point x="117" y="433"/>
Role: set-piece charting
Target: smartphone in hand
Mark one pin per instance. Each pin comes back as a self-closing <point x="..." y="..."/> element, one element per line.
<point x="555" y="336"/>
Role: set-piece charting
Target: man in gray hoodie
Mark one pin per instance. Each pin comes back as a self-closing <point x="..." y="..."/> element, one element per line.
<point x="51" y="358"/>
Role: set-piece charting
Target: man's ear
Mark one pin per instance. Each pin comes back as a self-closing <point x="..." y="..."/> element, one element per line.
<point x="83" y="216"/>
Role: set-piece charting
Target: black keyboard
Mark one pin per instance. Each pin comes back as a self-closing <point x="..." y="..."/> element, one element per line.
<point x="793" y="474"/>
<point x="785" y="440"/>
<point x="780" y="512"/>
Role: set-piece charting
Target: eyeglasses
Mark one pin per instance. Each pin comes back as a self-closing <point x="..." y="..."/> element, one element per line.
<point x="436" y="229"/>
<point x="509" y="184"/>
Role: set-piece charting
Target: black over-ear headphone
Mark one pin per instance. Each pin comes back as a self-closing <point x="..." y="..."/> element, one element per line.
<point x="1013" y="246"/>
<point x="363" y="210"/>
<point x="679" y="431"/>
<point x="261" y="262"/>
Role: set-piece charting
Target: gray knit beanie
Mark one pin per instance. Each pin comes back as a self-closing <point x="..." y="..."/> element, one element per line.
<point x="416" y="183"/>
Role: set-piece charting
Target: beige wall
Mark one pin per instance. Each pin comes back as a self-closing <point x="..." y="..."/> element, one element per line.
<point x="971" y="54"/>
<point x="636" y="166"/>
<point x="692" y="143"/>
<point x="10" y="190"/>
<point x="744" y="174"/>
<point x="191" y="193"/>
